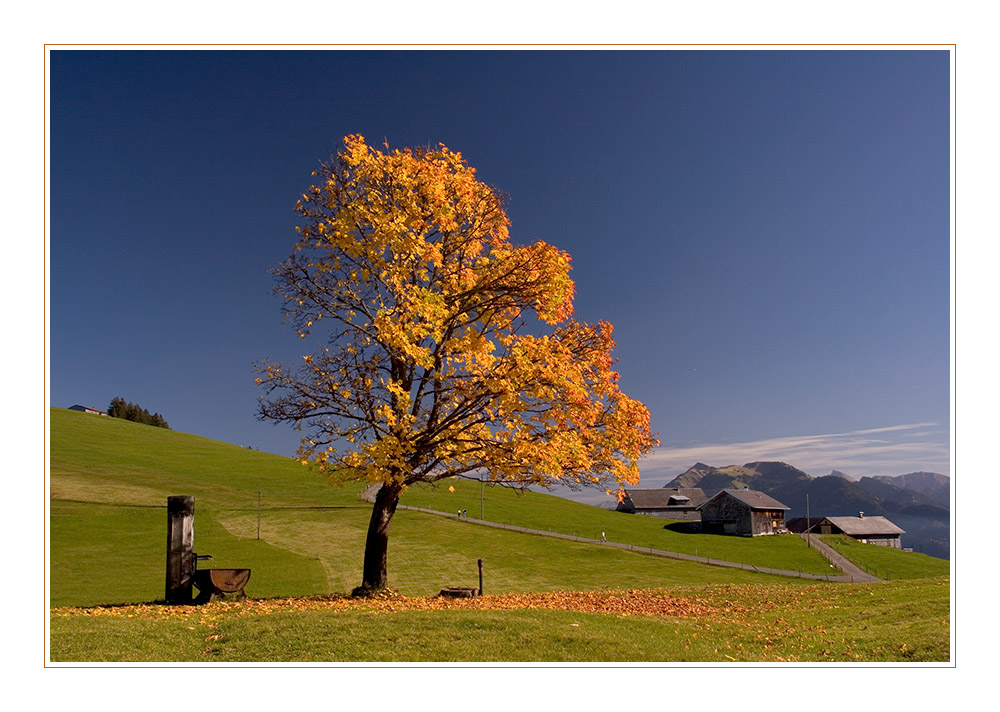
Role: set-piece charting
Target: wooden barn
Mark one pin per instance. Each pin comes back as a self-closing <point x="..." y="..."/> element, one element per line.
<point x="743" y="513"/>
<point x="666" y="502"/>
<point x="870" y="530"/>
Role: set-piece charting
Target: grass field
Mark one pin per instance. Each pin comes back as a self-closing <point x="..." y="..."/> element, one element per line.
<point x="110" y="479"/>
<point x="556" y="514"/>
<point x="887" y="563"/>
<point x="898" y="622"/>
<point x="109" y="484"/>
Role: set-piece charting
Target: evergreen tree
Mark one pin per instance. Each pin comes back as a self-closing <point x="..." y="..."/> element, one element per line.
<point x="119" y="408"/>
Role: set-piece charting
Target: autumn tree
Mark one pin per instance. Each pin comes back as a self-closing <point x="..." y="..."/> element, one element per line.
<point x="446" y="350"/>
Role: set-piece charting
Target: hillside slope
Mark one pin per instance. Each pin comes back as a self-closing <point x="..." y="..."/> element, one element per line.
<point x="110" y="478"/>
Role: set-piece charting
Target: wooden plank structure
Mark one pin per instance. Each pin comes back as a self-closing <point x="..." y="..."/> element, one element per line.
<point x="215" y="584"/>
<point x="180" y="549"/>
<point x="182" y="563"/>
<point x="868" y="530"/>
<point x="742" y="513"/>
<point x="670" y="503"/>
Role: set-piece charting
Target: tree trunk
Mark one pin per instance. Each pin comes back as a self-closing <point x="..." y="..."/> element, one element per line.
<point x="377" y="541"/>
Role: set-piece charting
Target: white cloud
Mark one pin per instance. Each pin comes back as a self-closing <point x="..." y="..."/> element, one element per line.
<point x="893" y="450"/>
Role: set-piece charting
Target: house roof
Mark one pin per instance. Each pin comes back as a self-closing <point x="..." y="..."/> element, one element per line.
<point x="860" y="526"/>
<point x="664" y="498"/>
<point x="751" y="498"/>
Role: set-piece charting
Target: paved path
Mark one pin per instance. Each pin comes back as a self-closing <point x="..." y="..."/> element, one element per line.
<point x="851" y="573"/>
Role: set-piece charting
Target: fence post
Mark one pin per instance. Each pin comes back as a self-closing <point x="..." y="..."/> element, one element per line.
<point x="180" y="549"/>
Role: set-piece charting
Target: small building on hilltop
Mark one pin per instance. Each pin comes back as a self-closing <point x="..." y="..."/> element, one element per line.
<point x="666" y="502"/>
<point x="743" y="513"/>
<point x="869" y="530"/>
<point x="87" y="409"/>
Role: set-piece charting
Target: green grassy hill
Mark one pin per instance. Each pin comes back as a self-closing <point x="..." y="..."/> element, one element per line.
<point x="110" y="480"/>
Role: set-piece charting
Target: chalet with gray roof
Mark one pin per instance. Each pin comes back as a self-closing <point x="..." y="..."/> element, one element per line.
<point x="666" y="502"/>
<point x="870" y="530"/>
<point x="743" y="513"/>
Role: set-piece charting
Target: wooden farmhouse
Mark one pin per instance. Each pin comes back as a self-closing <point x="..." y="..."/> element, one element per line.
<point x="666" y="502"/>
<point x="870" y="530"/>
<point x="743" y="513"/>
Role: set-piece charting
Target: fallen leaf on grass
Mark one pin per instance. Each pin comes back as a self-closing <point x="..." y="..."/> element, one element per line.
<point x="622" y="603"/>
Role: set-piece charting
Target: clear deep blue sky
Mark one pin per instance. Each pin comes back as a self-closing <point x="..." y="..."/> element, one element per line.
<point x="768" y="231"/>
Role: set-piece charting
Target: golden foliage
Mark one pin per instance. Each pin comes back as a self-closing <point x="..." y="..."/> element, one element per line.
<point x="427" y="370"/>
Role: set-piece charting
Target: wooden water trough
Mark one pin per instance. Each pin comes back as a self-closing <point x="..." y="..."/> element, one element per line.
<point x="182" y="562"/>
<point x="215" y="584"/>
<point x="465" y="591"/>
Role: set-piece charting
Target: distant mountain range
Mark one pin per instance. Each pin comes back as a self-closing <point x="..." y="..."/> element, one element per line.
<point x="919" y="502"/>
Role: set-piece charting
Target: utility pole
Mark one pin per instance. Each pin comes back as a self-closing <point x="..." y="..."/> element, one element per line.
<point x="808" y="524"/>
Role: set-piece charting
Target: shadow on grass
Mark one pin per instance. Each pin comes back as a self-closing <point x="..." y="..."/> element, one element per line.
<point x="684" y="527"/>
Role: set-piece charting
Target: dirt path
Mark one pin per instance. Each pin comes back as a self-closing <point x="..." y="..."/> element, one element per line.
<point x="852" y="572"/>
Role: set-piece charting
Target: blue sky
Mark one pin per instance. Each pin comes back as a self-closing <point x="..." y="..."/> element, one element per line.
<point x="768" y="230"/>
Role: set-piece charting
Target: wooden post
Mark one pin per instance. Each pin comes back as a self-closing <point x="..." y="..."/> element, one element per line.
<point x="480" y="577"/>
<point x="180" y="549"/>
<point x="808" y="525"/>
